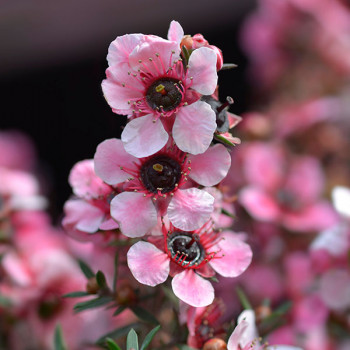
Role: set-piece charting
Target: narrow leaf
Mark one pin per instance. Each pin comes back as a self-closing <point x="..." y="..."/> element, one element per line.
<point x="86" y="269"/>
<point x="184" y="347"/>
<point x="75" y="294"/>
<point x="243" y="299"/>
<point x="225" y="212"/>
<point x="119" y="310"/>
<point x="132" y="340"/>
<point x="117" y="333"/>
<point x="91" y="304"/>
<point x="222" y="139"/>
<point x="58" y="339"/>
<point x="112" y="345"/>
<point x="143" y="314"/>
<point x="101" y="279"/>
<point x="149" y="337"/>
<point x="229" y="66"/>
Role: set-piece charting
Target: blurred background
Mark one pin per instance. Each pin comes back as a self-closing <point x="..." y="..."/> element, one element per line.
<point x="53" y="58"/>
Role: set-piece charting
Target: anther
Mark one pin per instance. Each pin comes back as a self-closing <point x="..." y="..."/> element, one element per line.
<point x="186" y="104"/>
<point x="140" y="61"/>
<point x="151" y="59"/>
<point x="153" y="121"/>
<point x="123" y="84"/>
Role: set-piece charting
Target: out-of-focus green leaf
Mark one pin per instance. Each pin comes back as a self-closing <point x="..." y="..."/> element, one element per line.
<point x="58" y="339"/>
<point x="75" y="294"/>
<point x="225" y="212"/>
<point x="86" y="269"/>
<point x="149" y="338"/>
<point x="101" y="279"/>
<point x="119" y="310"/>
<point x="117" y="333"/>
<point x="132" y="342"/>
<point x="143" y="314"/>
<point x="243" y="299"/>
<point x="184" y="347"/>
<point x="112" y="345"/>
<point x="91" y="304"/>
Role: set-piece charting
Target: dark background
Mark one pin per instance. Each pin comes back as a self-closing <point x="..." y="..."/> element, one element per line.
<point x="53" y="59"/>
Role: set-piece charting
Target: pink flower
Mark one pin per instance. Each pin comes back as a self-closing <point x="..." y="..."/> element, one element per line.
<point x="285" y="191"/>
<point x="148" y="81"/>
<point x="189" y="256"/>
<point x="89" y="212"/>
<point x="177" y="34"/>
<point x="165" y="182"/>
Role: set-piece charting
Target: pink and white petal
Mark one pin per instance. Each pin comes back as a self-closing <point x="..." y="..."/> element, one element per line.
<point x="193" y="289"/>
<point x="202" y="68"/>
<point x="237" y="334"/>
<point x="85" y="182"/>
<point x="117" y="94"/>
<point x="109" y="224"/>
<point x="120" y="48"/>
<point x="251" y="333"/>
<point x="190" y="209"/>
<point x="135" y="213"/>
<point x="341" y="200"/>
<point x="110" y="156"/>
<point x="143" y="137"/>
<point x="82" y="215"/>
<point x="237" y="255"/>
<point x="210" y="167"/>
<point x="259" y="204"/>
<point x="175" y="32"/>
<point x="154" y="56"/>
<point x="194" y="127"/>
<point x="148" y="264"/>
<point x="315" y="217"/>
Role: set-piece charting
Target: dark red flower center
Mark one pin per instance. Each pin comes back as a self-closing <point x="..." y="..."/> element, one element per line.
<point x="164" y="94"/>
<point x="185" y="248"/>
<point x="160" y="173"/>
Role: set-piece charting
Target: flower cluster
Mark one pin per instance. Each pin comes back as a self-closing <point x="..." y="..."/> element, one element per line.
<point x="157" y="181"/>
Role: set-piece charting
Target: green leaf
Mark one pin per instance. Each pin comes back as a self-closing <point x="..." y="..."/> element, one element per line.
<point x="58" y="339"/>
<point x="75" y="294"/>
<point x="132" y="342"/>
<point x="86" y="269"/>
<point x="229" y="66"/>
<point x="117" y="333"/>
<point x="243" y="299"/>
<point x="91" y="304"/>
<point x="184" y="347"/>
<point x="112" y="345"/>
<point x="115" y="275"/>
<point x="143" y="314"/>
<point x="101" y="279"/>
<point x="225" y="212"/>
<point x="119" y="310"/>
<point x="149" y="337"/>
<point x="223" y="140"/>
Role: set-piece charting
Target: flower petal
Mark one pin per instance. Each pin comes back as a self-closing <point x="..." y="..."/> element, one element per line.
<point x="193" y="289"/>
<point x="210" y="167"/>
<point x="190" y="209"/>
<point x="142" y="137"/>
<point x="194" y="127"/>
<point x="120" y="49"/>
<point x="237" y="256"/>
<point x="202" y="68"/>
<point x="237" y="334"/>
<point x="148" y="264"/>
<point x="175" y="32"/>
<point x="341" y="200"/>
<point x="110" y="156"/>
<point x="135" y="213"/>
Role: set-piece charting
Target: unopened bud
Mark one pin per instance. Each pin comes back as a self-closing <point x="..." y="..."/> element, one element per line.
<point x="92" y="286"/>
<point x="125" y="294"/>
<point x="262" y="312"/>
<point x="215" y="344"/>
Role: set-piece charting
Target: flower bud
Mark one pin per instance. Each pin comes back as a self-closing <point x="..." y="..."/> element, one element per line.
<point x="125" y="294"/>
<point x="215" y="344"/>
<point x="92" y="286"/>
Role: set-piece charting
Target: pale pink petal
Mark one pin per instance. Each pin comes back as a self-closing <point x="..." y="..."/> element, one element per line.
<point x="108" y="224"/>
<point x="315" y="217"/>
<point x="193" y="289"/>
<point x="148" y="264"/>
<point x="237" y="334"/>
<point x="135" y="213"/>
<point x="237" y="255"/>
<point x="143" y="137"/>
<point x="190" y="209"/>
<point x="120" y="49"/>
<point x="259" y="204"/>
<point x="341" y="200"/>
<point x="118" y="93"/>
<point x="210" y="167"/>
<point x="251" y="332"/>
<point x="17" y="269"/>
<point x="82" y="215"/>
<point x="202" y="68"/>
<point x="305" y="179"/>
<point x="85" y="182"/>
<point x="194" y="127"/>
<point x="175" y="33"/>
<point x="154" y="56"/>
<point x="109" y="159"/>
